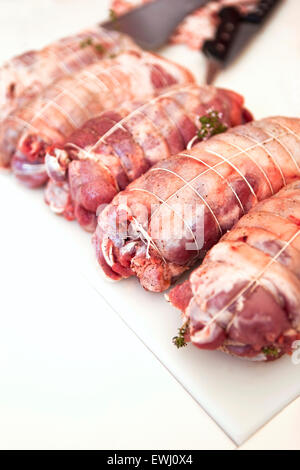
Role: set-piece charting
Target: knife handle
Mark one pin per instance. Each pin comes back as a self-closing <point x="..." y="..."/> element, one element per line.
<point x="262" y="10"/>
<point x="226" y="32"/>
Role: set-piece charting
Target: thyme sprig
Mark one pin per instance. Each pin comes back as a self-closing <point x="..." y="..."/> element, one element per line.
<point x="99" y="48"/>
<point x="90" y="42"/>
<point x="114" y="19"/>
<point x="179" y="341"/>
<point x="112" y="15"/>
<point x="86" y="42"/>
<point x="211" y="124"/>
<point x="271" y="351"/>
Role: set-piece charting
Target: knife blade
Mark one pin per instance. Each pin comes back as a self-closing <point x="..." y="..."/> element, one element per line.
<point x="151" y="25"/>
<point x="233" y="35"/>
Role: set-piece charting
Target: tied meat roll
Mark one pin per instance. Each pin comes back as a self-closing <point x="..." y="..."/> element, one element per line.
<point x="168" y="218"/>
<point x="25" y="76"/>
<point x="245" y="298"/>
<point x="69" y="102"/>
<point x="110" y="151"/>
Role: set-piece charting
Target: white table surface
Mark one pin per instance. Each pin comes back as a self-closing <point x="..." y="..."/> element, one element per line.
<point x="72" y="375"/>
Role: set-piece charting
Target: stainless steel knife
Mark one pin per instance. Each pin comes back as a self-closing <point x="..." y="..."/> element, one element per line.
<point x="151" y="25"/>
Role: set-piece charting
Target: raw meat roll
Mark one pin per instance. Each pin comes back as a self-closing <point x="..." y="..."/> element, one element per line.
<point x="108" y="152"/>
<point x="168" y="218"/>
<point x="245" y="298"/>
<point x="69" y="102"/>
<point x="25" y="76"/>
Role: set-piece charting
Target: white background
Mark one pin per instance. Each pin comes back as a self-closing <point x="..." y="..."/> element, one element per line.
<point x="72" y="375"/>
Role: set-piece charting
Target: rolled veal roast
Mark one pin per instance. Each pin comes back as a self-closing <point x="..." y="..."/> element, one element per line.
<point x="25" y="76"/>
<point x="200" y="193"/>
<point x="108" y="152"/>
<point x="68" y="103"/>
<point x="245" y="297"/>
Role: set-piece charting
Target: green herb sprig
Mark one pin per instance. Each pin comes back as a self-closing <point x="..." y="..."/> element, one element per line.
<point x="211" y="124"/>
<point x="99" y="48"/>
<point x="179" y="341"/>
<point x="86" y="42"/>
<point x="114" y="19"/>
<point x="112" y="15"/>
<point x="90" y="42"/>
<point x="271" y="351"/>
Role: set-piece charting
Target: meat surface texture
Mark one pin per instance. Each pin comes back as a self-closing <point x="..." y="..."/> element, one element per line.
<point x="25" y="76"/>
<point x="69" y="102"/>
<point x="108" y="152"/>
<point x="245" y="298"/>
<point x="197" y="27"/>
<point x="170" y="217"/>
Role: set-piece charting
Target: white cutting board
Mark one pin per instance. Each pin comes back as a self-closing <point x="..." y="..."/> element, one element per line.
<point x="239" y="395"/>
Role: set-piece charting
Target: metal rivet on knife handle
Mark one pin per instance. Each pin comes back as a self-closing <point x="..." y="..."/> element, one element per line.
<point x="218" y="48"/>
<point x="241" y="30"/>
<point x="262" y="10"/>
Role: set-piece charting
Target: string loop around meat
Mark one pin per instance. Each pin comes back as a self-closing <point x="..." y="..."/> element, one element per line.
<point x="147" y="239"/>
<point x="89" y="153"/>
<point x="193" y="157"/>
<point x="257" y="164"/>
<point x="173" y="210"/>
<point x="251" y="283"/>
<point x="187" y="184"/>
<point x="131" y="115"/>
<point x="261" y="145"/>
<point x="290" y="131"/>
<point x="96" y="79"/>
<point x="213" y="168"/>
